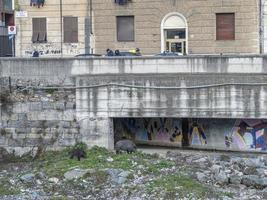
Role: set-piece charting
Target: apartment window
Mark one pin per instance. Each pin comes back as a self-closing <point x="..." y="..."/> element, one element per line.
<point x="70" y="29"/>
<point x="39" y="33"/>
<point x="225" y="26"/>
<point x="125" y="28"/>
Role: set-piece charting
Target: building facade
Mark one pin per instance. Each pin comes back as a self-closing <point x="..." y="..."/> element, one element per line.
<point x="6" y="19"/>
<point x="40" y="28"/>
<point x="185" y="27"/>
<point x="192" y="26"/>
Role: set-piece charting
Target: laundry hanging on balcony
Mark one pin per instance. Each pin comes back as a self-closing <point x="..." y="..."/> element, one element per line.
<point x="37" y="3"/>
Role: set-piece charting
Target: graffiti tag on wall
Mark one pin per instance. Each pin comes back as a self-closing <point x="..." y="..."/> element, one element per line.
<point x="51" y="49"/>
<point x="240" y="134"/>
<point x="43" y="49"/>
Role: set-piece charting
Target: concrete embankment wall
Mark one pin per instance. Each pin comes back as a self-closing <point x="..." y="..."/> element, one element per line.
<point x="107" y="88"/>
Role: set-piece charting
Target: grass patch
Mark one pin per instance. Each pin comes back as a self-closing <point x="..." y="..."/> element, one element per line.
<point x="57" y="163"/>
<point x="155" y="168"/>
<point x="184" y="186"/>
<point x="60" y="198"/>
<point x="5" y="189"/>
<point x="227" y="194"/>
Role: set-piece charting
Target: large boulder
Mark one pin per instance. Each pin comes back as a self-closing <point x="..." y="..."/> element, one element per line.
<point x="75" y="174"/>
<point x="118" y="176"/>
<point x="222" y="178"/>
<point x="27" y="178"/>
<point x="235" y="179"/>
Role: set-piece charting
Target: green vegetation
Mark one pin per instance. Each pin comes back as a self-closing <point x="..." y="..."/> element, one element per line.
<point x="57" y="163"/>
<point x="50" y="90"/>
<point x="78" y="146"/>
<point x="159" y="179"/>
<point x="174" y="184"/>
<point x="5" y="188"/>
<point x="228" y="194"/>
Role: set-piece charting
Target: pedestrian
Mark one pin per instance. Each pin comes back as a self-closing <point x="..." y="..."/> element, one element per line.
<point x="35" y="54"/>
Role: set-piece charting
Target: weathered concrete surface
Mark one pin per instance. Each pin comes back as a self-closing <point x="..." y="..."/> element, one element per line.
<point x="96" y="106"/>
<point x="171" y="65"/>
<point x="37" y="71"/>
<point x="235" y="101"/>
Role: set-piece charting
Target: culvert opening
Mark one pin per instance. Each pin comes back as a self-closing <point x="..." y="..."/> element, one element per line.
<point x="195" y="133"/>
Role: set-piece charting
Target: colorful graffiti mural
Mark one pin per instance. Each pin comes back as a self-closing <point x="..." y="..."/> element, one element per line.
<point x="239" y="134"/>
<point x="247" y="135"/>
<point x="149" y="129"/>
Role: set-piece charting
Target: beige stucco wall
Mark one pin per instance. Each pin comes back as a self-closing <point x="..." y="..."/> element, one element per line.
<point x="51" y="10"/>
<point x="201" y="18"/>
<point x="265" y="26"/>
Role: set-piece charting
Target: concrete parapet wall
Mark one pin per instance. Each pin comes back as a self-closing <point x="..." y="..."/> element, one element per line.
<point x="171" y="65"/>
<point x="37" y="71"/>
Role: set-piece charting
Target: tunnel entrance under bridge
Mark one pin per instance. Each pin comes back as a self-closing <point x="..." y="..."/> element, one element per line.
<point x="204" y="133"/>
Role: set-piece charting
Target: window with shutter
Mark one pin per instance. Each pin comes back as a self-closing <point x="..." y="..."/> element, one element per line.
<point x="125" y="28"/>
<point x="225" y="26"/>
<point x="39" y="32"/>
<point x="70" y="29"/>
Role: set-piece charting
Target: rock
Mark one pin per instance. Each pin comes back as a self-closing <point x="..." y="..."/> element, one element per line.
<point x="201" y="160"/>
<point x="254" y="162"/>
<point x="235" y="179"/>
<point x="250" y="180"/>
<point x="250" y="171"/>
<point x="41" y="175"/>
<point x="75" y="173"/>
<point x="262" y="183"/>
<point x="173" y="154"/>
<point x="264" y="190"/>
<point x="215" y="169"/>
<point x="201" y="177"/>
<point x="27" y="178"/>
<point x="118" y="176"/>
<point x="222" y="178"/>
<point x="225" y="158"/>
<point x="110" y="159"/>
<point x="155" y="155"/>
<point x="262" y="172"/>
<point x="236" y="160"/>
<point x="53" y="180"/>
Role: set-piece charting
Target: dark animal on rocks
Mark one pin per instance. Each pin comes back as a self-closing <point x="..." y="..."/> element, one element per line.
<point x="78" y="153"/>
<point x="125" y="145"/>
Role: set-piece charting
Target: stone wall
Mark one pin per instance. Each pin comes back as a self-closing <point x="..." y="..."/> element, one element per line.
<point x="41" y="118"/>
<point x="37" y="118"/>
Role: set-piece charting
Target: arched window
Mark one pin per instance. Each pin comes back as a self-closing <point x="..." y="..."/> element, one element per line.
<point x="174" y="33"/>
